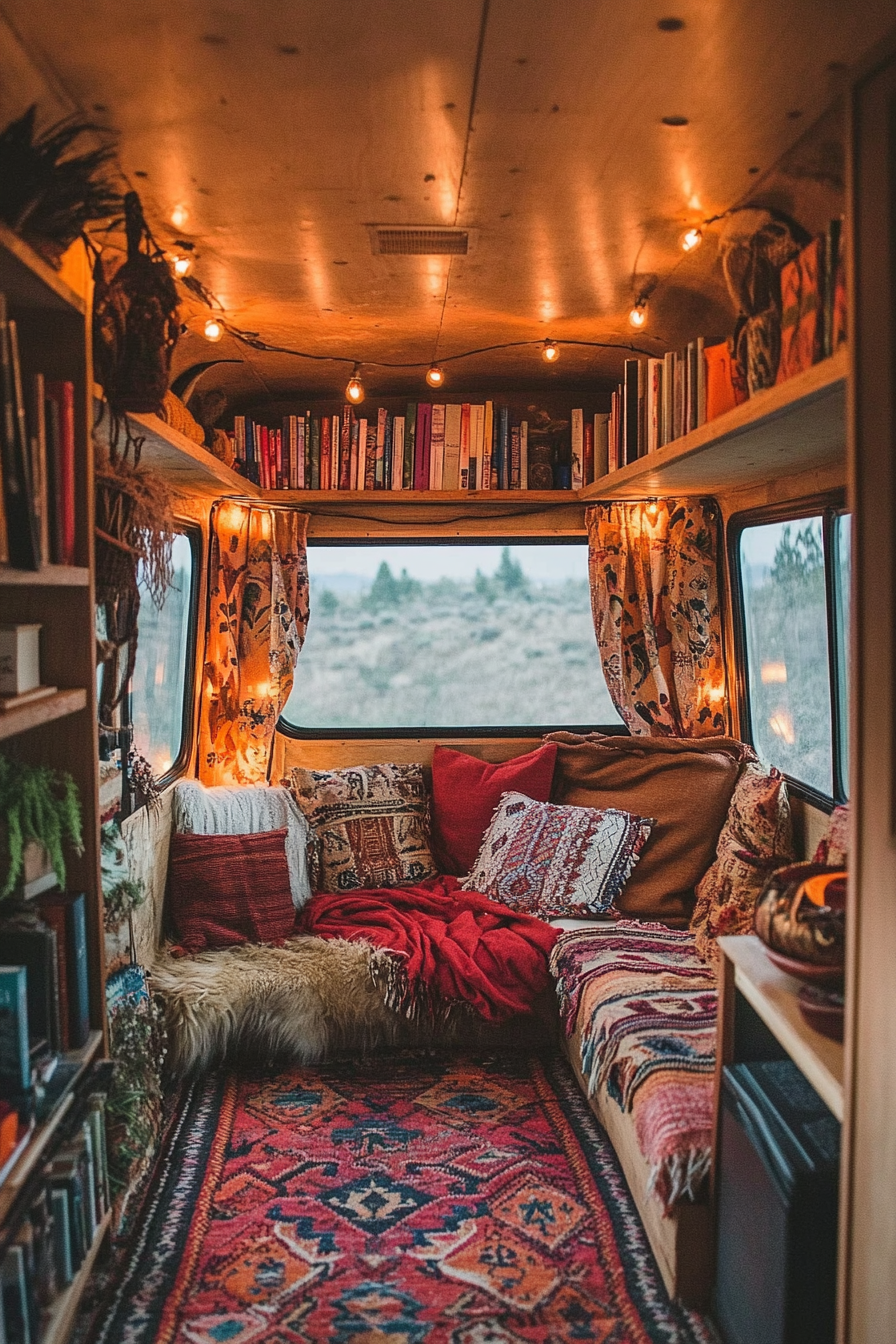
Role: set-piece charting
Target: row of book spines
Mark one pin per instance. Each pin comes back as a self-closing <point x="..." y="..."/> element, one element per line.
<point x="60" y="1226"/>
<point x="44" y="990"/>
<point x="37" y="461"/>
<point x="433" y="447"/>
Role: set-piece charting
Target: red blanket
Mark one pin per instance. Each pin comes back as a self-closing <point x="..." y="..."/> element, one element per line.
<point x="449" y="946"/>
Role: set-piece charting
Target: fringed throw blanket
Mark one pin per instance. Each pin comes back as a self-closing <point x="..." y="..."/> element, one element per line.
<point x="450" y="948"/>
<point x="645" y="1006"/>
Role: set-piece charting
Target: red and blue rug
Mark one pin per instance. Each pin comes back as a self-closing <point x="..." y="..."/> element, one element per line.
<point x="450" y="1200"/>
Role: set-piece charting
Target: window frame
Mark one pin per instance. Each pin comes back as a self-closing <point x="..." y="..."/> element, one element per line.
<point x="829" y="506"/>
<point x="193" y="533"/>
<point x="297" y="732"/>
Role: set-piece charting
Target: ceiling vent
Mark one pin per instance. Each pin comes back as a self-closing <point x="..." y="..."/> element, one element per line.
<point x="408" y="240"/>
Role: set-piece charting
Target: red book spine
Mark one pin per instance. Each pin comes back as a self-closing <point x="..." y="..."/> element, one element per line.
<point x="63" y="394"/>
<point x="345" y="448"/>
<point x="334" y="453"/>
<point x="325" y="425"/>
<point x="427" y="445"/>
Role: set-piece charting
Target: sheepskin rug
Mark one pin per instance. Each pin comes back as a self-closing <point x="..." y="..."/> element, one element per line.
<point x="300" y="1003"/>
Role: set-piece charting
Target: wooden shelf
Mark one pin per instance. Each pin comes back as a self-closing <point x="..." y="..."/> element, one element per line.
<point x="39" y="712"/>
<point x="184" y="464"/>
<point x="322" y="499"/>
<point x="794" y="427"/>
<point x="26" y="279"/>
<point x="43" y="1133"/>
<point x="48" y="576"/>
<point x="61" y="1317"/>
<point x="773" y="995"/>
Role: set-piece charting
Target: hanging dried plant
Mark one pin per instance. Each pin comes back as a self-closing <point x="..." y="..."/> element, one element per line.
<point x="48" y="191"/>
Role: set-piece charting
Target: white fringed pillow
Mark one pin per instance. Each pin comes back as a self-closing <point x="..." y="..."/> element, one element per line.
<point x="551" y="861"/>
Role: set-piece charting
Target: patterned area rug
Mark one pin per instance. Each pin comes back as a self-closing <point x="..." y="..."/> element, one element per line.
<point x="468" y="1200"/>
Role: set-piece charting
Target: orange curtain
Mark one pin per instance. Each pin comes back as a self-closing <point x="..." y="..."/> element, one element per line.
<point x="258" y="615"/>
<point x="655" y="599"/>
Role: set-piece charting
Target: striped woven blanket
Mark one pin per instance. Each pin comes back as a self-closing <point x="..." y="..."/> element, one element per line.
<point x="645" y="1006"/>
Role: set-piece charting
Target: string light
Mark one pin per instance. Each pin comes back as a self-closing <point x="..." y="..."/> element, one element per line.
<point x="212" y="331"/>
<point x="652" y="508"/>
<point x="181" y="265"/>
<point x="435" y="376"/>
<point x="637" y="318"/>
<point x="692" y="239"/>
<point x="180" y="216"/>
<point x="550" y="352"/>
<point x="354" y="389"/>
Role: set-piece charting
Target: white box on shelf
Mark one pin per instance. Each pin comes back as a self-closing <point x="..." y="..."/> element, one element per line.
<point x="19" y="658"/>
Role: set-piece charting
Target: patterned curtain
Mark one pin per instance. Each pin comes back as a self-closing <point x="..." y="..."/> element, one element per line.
<point x="258" y="615"/>
<point x="654" y="595"/>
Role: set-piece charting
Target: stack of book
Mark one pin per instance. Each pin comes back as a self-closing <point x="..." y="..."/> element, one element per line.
<point x="440" y="446"/>
<point x="64" y="1207"/>
<point x="37" y="461"/>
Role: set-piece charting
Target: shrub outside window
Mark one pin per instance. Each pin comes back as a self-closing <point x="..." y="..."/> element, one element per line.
<point x="793" y="598"/>
<point x="443" y="638"/>
<point x="162" y="679"/>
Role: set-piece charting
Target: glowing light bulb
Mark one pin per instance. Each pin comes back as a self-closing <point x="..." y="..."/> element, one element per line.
<point x="213" y="330"/>
<point x="550" y="352"/>
<point x="354" y="390"/>
<point x="691" y="239"/>
<point x="181" y="265"/>
<point x="637" y="318"/>
<point x="180" y="216"/>
<point x="652" y="509"/>
<point x="435" y="376"/>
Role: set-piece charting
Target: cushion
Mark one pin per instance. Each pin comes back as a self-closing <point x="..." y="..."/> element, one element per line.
<point x="466" y="791"/>
<point x="369" y="825"/>
<point x="550" y="861"/>
<point x="224" y="811"/>
<point x="833" y="847"/>
<point x="227" y="889"/>
<point x="684" y="783"/>
<point x="756" y="839"/>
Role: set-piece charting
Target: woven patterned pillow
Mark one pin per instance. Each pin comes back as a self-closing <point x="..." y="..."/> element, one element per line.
<point x="551" y="861"/>
<point x="369" y="825"/>
<point x="755" y="840"/>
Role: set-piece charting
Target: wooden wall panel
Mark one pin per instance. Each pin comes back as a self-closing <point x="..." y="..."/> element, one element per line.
<point x="338" y="754"/>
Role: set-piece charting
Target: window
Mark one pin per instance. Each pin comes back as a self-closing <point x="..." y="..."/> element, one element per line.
<point x="448" y="637"/>
<point x="161" y="685"/>
<point x="794" y="598"/>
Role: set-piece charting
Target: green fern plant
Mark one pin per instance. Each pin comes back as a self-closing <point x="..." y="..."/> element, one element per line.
<point x="40" y="804"/>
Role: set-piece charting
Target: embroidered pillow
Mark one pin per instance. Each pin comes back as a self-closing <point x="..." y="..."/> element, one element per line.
<point x="755" y="840"/>
<point x="550" y="861"/>
<point x="369" y="825"/>
<point x="466" y="791"/>
<point x="227" y="889"/>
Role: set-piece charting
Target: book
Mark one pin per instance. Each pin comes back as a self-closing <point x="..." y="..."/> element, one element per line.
<point x="477" y="440"/>
<point x="425" y="446"/>
<point x="701" y="381"/>
<point x="678" y="408"/>
<point x="62" y="1235"/>
<point x="578" y="448"/>
<point x="37" y="435"/>
<point x="488" y="435"/>
<point x="437" y="452"/>
<point x="464" y="470"/>
<point x="524" y="454"/>
<point x="503" y="447"/>
<point x="587" y="453"/>
<point x="668" y="423"/>
<point x="398" y="453"/>
<point x="335" y="442"/>
<point x="451" y="469"/>
<point x="601" y="444"/>
<point x="344" y="474"/>
<point x="410" y="432"/>
<point x="421" y="476"/>
<point x="15" y="1293"/>
<point x="514" y="457"/>
<point x="370" y="475"/>
<point x="66" y="913"/>
<point x="15" y="1064"/>
<point x="387" y="454"/>
<point x="326" y="427"/>
<point x="654" y="410"/>
<point x="631" y="411"/>
<point x="360" y="461"/>
<point x="22" y="536"/>
<point x="315" y="452"/>
<point x="31" y="943"/>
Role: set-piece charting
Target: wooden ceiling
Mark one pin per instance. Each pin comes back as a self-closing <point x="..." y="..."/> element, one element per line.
<point x="285" y="129"/>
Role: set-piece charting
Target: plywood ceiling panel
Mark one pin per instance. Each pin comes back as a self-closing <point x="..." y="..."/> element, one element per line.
<point x="285" y="130"/>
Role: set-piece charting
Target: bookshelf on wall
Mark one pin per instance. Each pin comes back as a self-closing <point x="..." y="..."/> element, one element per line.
<point x="58" y="730"/>
<point x="794" y="427"/>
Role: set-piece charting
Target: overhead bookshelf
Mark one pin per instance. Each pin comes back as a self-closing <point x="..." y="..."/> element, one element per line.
<point x="186" y="465"/>
<point x="48" y="576"/>
<point x="790" y="428"/>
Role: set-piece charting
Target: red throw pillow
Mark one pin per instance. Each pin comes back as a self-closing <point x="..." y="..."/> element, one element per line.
<point x="228" y="889"/>
<point x="466" y="791"/>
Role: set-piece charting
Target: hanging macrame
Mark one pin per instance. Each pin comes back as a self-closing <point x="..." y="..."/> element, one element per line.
<point x="135" y="320"/>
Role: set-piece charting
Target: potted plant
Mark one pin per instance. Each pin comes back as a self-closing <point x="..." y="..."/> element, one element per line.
<point x="39" y="811"/>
